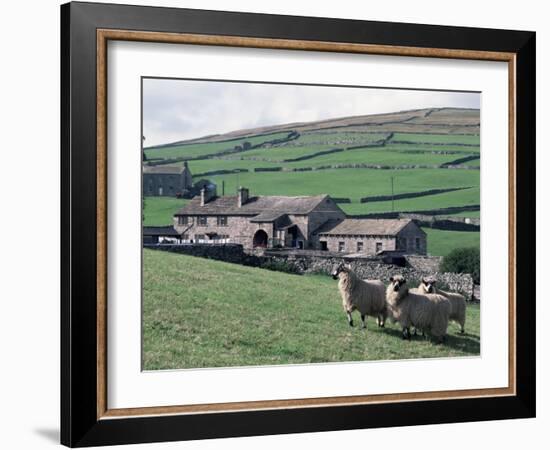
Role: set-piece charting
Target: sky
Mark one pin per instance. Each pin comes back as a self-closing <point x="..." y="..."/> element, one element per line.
<point x="175" y="110"/>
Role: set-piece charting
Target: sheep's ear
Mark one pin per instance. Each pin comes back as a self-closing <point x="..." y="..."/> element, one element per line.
<point x="424" y="280"/>
<point x="391" y="279"/>
<point x="404" y="281"/>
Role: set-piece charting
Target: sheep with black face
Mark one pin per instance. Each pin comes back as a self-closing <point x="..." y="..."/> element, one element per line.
<point x="365" y="296"/>
<point x="458" y="302"/>
<point x="428" y="312"/>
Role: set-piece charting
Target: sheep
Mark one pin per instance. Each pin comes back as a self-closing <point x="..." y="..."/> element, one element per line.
<point x="458" y="302"/>
<point x="366" y="296"/>
<point x="412" y="308"/>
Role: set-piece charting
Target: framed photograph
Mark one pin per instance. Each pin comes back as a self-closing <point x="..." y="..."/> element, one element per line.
<point x="277" y="224"/>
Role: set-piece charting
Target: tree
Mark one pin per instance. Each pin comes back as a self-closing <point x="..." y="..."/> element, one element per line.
<point x="463" y="260"/>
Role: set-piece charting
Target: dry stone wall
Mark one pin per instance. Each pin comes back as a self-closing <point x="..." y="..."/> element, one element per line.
<point x="322" y="263"/>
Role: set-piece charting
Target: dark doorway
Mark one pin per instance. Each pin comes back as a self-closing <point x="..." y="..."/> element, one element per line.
<point x="324" y="245"/>
<point x="260" y="239"/>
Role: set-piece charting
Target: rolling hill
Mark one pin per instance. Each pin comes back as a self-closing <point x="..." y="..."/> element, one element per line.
<point x="349" y="158"/>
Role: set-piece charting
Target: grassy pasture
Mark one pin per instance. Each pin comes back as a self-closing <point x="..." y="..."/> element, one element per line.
<point x="204" y="313"/>
<point x="159" y="210"/>
<point x="336" y="138"/>
<point x="456" y="198"/>
<point x="380" y="156"/>
<point x="350" y="183"/>
<point x="193" y="150"/>
<point x="437" y="138"/>
<point x="208" y="165"/>
<point x="284" y="152"/>
<point x="472" y="214"/>
<point x="441" y="242"/>
<point x="432" y="147"/>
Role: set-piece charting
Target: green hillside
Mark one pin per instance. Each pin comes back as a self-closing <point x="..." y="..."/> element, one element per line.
<point x="204" y="313"/>
<point x="347" y="158"/>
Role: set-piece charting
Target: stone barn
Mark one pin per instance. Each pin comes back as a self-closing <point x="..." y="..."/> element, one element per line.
<point x="167" y="181"/>
<point x="373" y="236"/>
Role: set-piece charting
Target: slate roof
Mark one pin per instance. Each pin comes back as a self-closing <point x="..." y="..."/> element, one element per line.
<point x="365" y="227"/>
<point x="228" y="205"/>
<point x="268" y="216"/>
<point x="160" y="231"/>
<point x="169" y="170"/>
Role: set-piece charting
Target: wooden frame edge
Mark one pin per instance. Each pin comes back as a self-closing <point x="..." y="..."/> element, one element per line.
<point x="101" y="223"/>
<point x="290" y="44"/>
<point x="103" y="35"/>
<point x="512" y="200"/>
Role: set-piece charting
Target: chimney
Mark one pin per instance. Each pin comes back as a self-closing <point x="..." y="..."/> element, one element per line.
<point x="242" y="196"/>
<point x="207" y="193"/>
<point x="203" y="196"/>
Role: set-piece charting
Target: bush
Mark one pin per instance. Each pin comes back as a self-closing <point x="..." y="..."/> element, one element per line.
<point x="463" y="260"/>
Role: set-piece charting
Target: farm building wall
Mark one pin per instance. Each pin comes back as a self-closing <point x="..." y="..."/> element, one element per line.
<point x="165" y="185"/>
<point x="412" y="240"/>
<point x="349" y="244"/>
<point x="167" y="182"/>
<point x="238" y="229"/>
<point x="326" y="210"/>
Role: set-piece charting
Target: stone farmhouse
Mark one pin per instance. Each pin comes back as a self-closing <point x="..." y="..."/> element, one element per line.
<point x="167" y="181"/>
<point x="307" y="222"/>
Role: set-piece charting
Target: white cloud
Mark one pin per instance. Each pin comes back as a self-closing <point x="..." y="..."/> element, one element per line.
<point x="184" y="109"/>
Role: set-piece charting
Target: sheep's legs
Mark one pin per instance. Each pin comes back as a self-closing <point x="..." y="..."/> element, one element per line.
<point x="364" y="325"/>
<point x="381" y="321"/>
<point x="416" y="332"/>
<point x="350" y="320"/>
<point x="406" y="333"/>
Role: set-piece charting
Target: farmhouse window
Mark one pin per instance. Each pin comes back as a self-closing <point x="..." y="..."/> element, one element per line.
<point x="222" y="221"/>
<point x="378" y="247"/>
<point x="185" y="237"/>
<point x="199" y="238"/>
<point x="183" y="220"/>
<point x="202" y="221"/>
<point x="359" y="246"/>
<point x="341" y="246"/>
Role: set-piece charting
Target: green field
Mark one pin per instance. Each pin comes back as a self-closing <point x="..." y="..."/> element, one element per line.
<point x="472" y="214"/>
<point x="338" y="138"/>
<point x="282" y="153"/>
<point x="328" y="174"/>
<point x="159" y="210"/>
<point x="455" y="198"/>
<point x="458" y="150"/>
<point x="441" y="242"/>
<point x="193" y="150"/>
<point x="437" y="138"/>
<point x="350" y="183"/>
<point x="204" y="313"/>
<point x="272" y="158"/>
